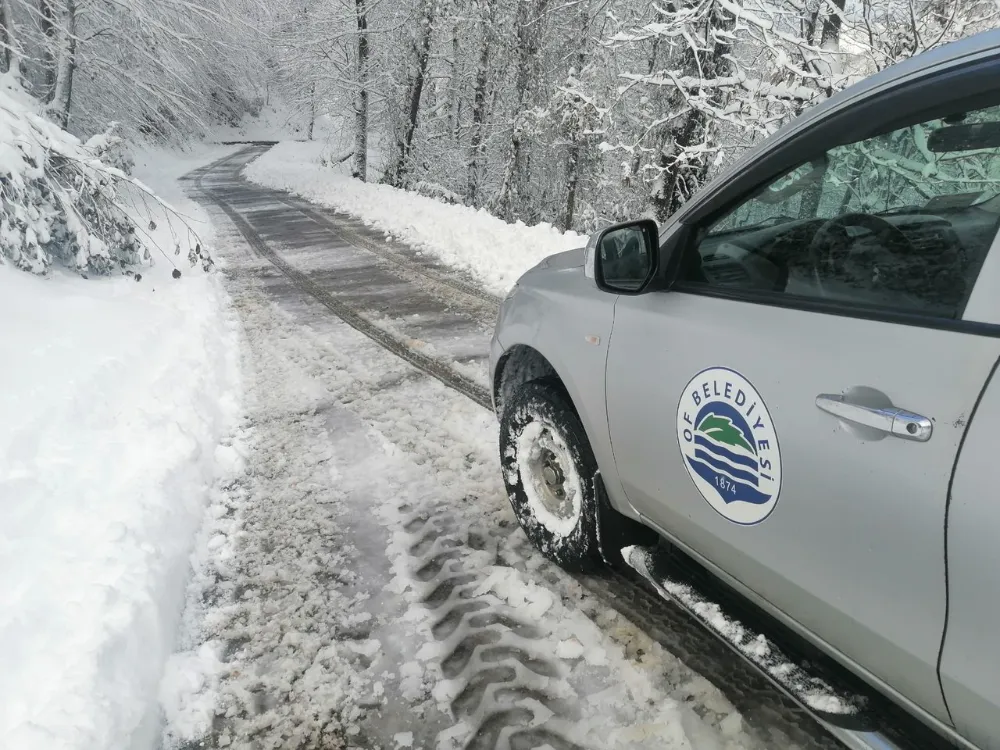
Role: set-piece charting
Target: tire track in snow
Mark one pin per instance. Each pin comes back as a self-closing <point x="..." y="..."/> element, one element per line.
<point x="498" y="684"/>
<point x="483" y="299"/>
<point x="515" y="663"/>
<point x="498" y="676"/>
<point x="433" y="367"/>
<point x="443" y="284"/>
<point x="501" y="682"/>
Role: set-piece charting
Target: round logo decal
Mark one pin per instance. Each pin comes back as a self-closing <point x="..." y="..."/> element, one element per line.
<point x="729" y="445"/>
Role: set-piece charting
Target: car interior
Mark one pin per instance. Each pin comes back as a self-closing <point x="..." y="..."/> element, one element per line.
<point x="901" y="221"/>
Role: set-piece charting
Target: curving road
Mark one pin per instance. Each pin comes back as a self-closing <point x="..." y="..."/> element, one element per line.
<point x="494" y="672"/>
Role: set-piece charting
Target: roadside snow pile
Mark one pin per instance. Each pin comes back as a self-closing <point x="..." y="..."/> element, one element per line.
<point x="495" y="252"/>
<point x="60" y="203"/>
<point x="115" y="397"/>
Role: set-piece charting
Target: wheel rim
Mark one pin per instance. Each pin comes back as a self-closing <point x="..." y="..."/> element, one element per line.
<point x="550" y="478"/>
<point x="548" y="474"/>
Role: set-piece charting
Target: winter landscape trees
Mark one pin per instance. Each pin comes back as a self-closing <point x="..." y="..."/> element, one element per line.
<point x="163" y="70"/>
<point x="574" y="112"/>
<point x="589" y="111"/>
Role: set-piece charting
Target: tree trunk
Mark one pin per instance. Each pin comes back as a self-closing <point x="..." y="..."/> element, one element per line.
<point x="572" y="179"/>
<point x="359" y="167"/>
<point x="62" y="98"/>
<point x="312" y="111"/>
<point x="528" y="41"/>
<point x="396" y="173"/>
<point x="680" y="176"/>
<point x="47" y="20"/>
<point x="576" y="137"/>
<point x="7" y="60"/>
<point x="829" y="41"/>
<point x="454" y="89"/>
<point x="420" y="75"/>
<point x="638" y="153"/>
<point x="832" y="25"/>
<point x="479" y="101"/>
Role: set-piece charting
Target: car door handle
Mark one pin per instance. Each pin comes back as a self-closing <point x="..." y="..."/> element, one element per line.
<point x="895" y="421"/>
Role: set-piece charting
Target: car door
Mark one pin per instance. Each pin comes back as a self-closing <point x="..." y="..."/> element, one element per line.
<point x="790" y="410"/>
<point x="970" y="660"/>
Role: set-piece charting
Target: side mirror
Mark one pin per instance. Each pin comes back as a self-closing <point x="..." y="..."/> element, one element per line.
<point x="623" y="258"/>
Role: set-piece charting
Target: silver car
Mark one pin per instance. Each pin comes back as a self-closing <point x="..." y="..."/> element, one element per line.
<point x="790" y="386"/>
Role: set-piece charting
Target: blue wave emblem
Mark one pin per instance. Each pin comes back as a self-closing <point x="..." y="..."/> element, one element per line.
<point x="725" y="454"/>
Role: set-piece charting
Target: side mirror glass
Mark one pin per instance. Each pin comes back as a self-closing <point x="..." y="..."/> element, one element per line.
<point x="623" y="258"/>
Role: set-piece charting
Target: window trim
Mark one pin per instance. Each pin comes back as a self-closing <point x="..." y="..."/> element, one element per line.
<point x="839" y="309"/>
<point x="971" y="85"/>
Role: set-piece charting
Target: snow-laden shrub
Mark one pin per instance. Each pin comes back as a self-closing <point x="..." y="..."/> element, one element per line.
<point x="437" y="192"/>
<point x="331" y="156"/>
<point x="59" y="203"/>
<point x="112" y="149"/>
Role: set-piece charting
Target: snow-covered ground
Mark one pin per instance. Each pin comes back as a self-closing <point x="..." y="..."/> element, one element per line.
<point x="361" y="581"/>
<point x="493" y="251"/>
<point x="116" y="398"/>
<point x="229" y="519"/>
<point x="275" y="121"/>
<point x="364" y="582"/>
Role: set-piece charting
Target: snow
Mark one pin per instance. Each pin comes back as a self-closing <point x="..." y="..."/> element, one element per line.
<point x="187" y="686"/>
<point x="493" y="251"/>
<point x="365" y="489"/>
<point x="115" y="396"/>
<point x="812" y="690"/>
<point x="275" y="121"/>
<point x="56" y="188"/>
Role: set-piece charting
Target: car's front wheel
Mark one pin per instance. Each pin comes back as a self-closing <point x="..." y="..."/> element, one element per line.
<point x="551" y="474"/>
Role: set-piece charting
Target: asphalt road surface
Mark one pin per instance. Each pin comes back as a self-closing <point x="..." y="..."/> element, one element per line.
<point x="419" y="378"/>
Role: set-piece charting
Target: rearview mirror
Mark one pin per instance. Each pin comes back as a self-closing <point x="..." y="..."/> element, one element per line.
<point x="964" y="137"/>
<point x="623" y="258"/>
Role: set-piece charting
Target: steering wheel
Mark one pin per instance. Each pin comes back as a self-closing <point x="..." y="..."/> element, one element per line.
<point x="830" y="251"/>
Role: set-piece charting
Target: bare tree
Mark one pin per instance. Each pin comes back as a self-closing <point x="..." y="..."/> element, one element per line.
<point x="529" y="33"/>
<point x="396" y="171"/>
<point x="62" y="95"/>
<point x="359" y="167"/>
<point x="488" y="21"/>
<point x="8" y="57"/>
<point x="47" y="20"/>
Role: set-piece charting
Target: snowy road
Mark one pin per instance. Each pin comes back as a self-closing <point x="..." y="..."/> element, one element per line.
<point x="363" y="582"/>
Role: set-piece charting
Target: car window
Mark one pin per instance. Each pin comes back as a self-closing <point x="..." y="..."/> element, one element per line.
<point x="901" y="221"/>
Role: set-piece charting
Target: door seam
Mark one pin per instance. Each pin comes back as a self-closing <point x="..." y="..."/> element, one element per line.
<point x="947" y="513"/>
<point x="607" y="411"/>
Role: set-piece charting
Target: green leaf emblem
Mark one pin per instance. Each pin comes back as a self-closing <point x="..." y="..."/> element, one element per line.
<point x="722" y="430"/>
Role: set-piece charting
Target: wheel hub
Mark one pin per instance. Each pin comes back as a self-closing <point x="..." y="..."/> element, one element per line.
<point x="551" y="479"/>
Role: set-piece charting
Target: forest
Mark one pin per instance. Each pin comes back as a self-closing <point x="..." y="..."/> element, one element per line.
<point x="573" y="112"/>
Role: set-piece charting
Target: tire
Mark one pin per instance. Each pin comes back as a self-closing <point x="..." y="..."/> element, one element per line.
<point x="551" y="475"/>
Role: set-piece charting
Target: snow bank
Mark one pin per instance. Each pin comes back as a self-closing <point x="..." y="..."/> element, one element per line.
<point x="114" y="396"/>
<point x="495" y="252"/>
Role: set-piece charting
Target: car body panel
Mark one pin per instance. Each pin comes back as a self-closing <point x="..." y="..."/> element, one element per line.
<point x="850" y="508"/>
<point x="970" y="661"/>
<point x="561" y="313"/>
